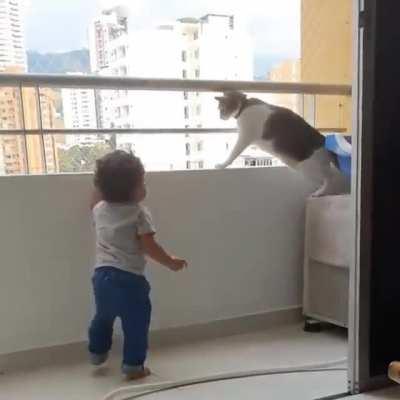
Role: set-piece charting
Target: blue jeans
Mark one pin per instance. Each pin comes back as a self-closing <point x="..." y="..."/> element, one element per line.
<point x="125" y="295"/>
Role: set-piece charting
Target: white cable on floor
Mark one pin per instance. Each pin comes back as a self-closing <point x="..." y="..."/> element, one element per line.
<point x="137" y="391"/>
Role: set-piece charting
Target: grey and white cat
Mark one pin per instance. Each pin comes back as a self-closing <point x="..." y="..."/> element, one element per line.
<point x="285" y="135"/>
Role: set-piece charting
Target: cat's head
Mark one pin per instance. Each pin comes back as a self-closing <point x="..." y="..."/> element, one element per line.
<point x="230" y="103"/>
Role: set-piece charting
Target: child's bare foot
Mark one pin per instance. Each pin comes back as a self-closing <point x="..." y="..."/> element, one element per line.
<point x="133" y="376"/>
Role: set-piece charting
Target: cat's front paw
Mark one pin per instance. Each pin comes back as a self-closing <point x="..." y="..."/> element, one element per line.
<point x="318" y="193"/>
<point x="322" y="191"/>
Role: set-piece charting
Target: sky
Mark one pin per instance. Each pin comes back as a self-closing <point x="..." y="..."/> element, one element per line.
<point x="61" y="25"/>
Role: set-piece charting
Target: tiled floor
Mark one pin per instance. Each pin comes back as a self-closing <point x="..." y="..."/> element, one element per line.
<point x="281" y="347"/>
<point x="388" y="394"/>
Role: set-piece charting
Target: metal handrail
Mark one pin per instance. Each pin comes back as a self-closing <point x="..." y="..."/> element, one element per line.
<point x="125" y="83"/>
<point x="132" y="131"/>
<point x="36" y="81"/>
<point x="95" y="131"/>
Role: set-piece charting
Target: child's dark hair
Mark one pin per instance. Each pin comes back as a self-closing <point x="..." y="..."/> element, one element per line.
<point x="117" y="175"/>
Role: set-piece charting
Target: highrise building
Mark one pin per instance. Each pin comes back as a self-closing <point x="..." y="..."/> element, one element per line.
<point x="12" y="146"/>
<point x="211" y="47"/>
<point x="42" y="151"/>
<point x="106" y="27"/>
<point x="33" y="154"/>
<point x="79" y="107"/>
<point x="12" y="48"/>
<point x="214" y="48"/>
<point x="324" y="23"/>
<point x="103" y="33"/>
<point x="12" y="55"/>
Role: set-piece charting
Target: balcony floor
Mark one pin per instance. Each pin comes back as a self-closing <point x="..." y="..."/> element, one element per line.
<point x="286" y="346"/>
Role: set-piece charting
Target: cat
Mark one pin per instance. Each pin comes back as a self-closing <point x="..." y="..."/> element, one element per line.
<point x="285" y="135"/>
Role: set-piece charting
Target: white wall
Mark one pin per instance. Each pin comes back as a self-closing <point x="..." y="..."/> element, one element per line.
<point x="241" y="230"/>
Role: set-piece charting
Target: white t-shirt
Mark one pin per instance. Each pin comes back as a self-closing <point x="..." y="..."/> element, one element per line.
<point x="118" y="226"/>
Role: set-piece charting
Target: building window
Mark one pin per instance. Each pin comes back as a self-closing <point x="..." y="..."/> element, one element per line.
<point x="184" y="56"/>
<point x="196" y="35"/>
<point x="125" y="110"/>
<point x="185" y="95"/>
<point x="198" y="109"/>
<point x="199" y="146"/>
<point x="184" y="74"/>
<point x="187" y="149"/>
<point x="197" y="73"/>
<point x="197" y="54"/>
<point x="186" y="112"/>
<point x="254" y="162"/>
<point x="195" y="164"/>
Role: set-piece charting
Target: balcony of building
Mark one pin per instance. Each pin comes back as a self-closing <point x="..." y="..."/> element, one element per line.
<point x="238" y="307"/>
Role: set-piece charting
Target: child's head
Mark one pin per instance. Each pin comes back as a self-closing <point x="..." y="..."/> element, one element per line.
<point x="119" y="177"/>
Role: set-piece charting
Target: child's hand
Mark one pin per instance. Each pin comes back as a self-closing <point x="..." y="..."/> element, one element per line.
<point x="177" y="264"/>
<point x="157" y="253"/>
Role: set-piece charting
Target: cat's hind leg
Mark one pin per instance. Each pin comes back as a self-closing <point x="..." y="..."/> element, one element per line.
<point x="322" y="190"/>
<point x="334" y="183"/>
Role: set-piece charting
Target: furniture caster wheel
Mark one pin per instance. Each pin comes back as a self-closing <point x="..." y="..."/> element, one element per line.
<point x="311" y="325"/>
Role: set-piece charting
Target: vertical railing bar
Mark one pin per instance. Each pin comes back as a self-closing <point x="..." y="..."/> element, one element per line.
<point x="39" y="103"/>
<point x="314" y="111"/>
<point x="23" y="123"/>
<point x="54" y="144"/>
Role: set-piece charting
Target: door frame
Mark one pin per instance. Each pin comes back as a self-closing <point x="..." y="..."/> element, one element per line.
<point x="363" y="93"/>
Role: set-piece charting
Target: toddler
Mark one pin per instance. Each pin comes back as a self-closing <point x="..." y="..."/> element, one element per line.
<point x="124" y="235"/>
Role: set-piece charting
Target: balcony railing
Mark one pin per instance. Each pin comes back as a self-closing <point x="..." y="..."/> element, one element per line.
<point x="37" y="82"/>
<point x="125" y="83"/>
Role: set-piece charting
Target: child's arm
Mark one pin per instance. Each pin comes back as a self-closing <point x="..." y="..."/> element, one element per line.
<point x="157" y="253"/>
<point x="96" y="198"/>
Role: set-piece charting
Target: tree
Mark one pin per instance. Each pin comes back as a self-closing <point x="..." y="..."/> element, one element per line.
<point x="81" y="158"/>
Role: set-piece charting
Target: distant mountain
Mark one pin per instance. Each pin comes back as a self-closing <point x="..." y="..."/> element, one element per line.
<point x="79" y="61"/>
<point x="59" y="63"/>
<point x="263" y="63"/>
